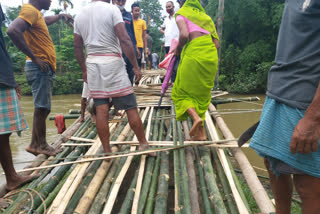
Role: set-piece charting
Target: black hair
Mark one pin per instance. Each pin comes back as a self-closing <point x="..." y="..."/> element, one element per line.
<point x="170" y="2"/>
<point x="148" y="31"/>
<point x="135" y="5"/>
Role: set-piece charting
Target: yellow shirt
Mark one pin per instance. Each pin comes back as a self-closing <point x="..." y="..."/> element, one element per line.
<point x="37" y="36"/>
<point x="139" y="26"/>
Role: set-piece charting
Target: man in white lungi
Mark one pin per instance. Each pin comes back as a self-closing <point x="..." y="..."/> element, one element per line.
<point x="100" y="28"/>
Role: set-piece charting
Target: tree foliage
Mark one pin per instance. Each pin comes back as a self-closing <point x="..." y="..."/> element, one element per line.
<point x="250" y="32"/>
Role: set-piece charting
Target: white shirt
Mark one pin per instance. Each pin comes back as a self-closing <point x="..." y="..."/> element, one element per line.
<point x="95" y="24"/>
<point x="171" y="30"/>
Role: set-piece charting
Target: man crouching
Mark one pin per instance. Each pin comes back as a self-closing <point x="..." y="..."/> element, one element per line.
<point x="100" y="27"/>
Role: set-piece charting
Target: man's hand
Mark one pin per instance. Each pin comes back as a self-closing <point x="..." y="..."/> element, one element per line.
<point x="18" y="91"/>
<point x="66" y="17"/>
<point x="137" y="74"/>
<point x="44" y="66"/>
<point x="84" y="76"/>
<point x="306" y="135"/>
<point x="138" y="53"/>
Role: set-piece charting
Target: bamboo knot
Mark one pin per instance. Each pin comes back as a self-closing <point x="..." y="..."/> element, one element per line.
<point x="166" y="176"/>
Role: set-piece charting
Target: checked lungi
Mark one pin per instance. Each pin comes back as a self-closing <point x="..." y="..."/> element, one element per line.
<point x="11" y="115"/>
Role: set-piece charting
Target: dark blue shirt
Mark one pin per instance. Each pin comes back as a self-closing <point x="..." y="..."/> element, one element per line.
<point x="294" y="78"/>
<point x="6" y="70"/>
<point x="127" y="18"/>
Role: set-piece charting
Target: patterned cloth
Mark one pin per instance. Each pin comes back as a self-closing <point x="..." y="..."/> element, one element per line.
<point x="273" y="137"/>
<point x="11" y="116"/>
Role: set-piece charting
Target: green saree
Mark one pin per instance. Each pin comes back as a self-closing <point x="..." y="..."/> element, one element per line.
<point x="198" y="65"/>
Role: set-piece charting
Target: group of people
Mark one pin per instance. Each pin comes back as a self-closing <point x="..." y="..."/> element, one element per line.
<point x="289" y="131"/>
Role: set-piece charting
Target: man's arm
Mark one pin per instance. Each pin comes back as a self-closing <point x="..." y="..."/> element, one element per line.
<point x="306" y="135"/>
<point x="53" y="19"/>
<point x="78" y="52"/>
<point x="145" y="43"/>
<point x="127" y="48"/>
<point x="162" y="30"/>
<point x="15" y="32"/>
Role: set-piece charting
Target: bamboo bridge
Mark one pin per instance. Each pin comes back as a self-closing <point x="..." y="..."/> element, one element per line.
<point x="185" y="177"/>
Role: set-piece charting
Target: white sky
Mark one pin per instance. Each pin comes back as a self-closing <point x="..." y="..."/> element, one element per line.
<point x="78" y="4"/>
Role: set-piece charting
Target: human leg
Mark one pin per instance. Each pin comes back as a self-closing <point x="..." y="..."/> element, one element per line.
<point x="102" y="116"/>
<point x="308" y="188"/>
<point x="13" y="179"/>
<point x="137" y="127"/>
<point x="197" y="121"/>
<point x="39" y="144"/>
<point x="282" y="187"/>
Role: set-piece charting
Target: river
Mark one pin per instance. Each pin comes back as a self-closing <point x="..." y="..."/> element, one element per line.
<point x="62" y="103"/>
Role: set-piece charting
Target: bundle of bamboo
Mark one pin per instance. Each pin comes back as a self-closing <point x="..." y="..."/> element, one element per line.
<point x="199" y="179"/>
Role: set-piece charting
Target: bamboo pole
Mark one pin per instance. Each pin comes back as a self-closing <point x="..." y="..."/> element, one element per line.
<point x="61" y="201"/>
<point x="214" y="135"/>
<point x="184" y="174"/>
<point x="127" y="202"/>
<point x="177" y="204"/>
<point x="156" y="171"/>
<point x="99" y="200"/>
<point x="161" y="204"/>
<point x="53" y="181"/>
<point x="192" y="181"/>
<point x="112" y="197"/>
<point x="203" y="189"/>
<point x="250" y="175"/>
<point x="150" y="167"/>
<point x="87" y="198"/>
<point x="134" y="209"/>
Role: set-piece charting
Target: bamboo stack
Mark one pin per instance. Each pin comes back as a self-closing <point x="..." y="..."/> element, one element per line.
<point x="184" y="177"/>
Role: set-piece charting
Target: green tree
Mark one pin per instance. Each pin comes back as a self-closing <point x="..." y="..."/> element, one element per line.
<point x="250" y="32"/>
<point x="66" y="3"/>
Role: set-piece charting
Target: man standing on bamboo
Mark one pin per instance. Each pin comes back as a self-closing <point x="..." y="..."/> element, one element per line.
<point x="100" y="28"/>
<point x="29" y="32"/>
<point x="288" y="135"/>
<point x="140" y="30"/>
<point x="11" y="116"/>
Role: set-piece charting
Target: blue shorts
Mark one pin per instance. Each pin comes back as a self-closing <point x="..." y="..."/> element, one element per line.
<point x="41" y="84"/>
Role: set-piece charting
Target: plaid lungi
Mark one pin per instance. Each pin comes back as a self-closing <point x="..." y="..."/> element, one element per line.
<point x="11" y="116"/>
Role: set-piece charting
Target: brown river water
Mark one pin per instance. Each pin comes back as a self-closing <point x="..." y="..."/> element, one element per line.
<point x="237" y="123"/>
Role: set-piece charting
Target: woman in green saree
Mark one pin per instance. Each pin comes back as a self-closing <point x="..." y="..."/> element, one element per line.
<point x="198" y="44"/>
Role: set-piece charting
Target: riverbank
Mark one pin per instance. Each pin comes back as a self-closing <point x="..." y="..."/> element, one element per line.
<point x="66" y="83"/>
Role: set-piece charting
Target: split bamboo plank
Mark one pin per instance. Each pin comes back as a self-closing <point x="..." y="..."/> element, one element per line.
<point x="114" y="192"/>
<point x="250" y="175"/>
<point x="137" y="191"/>
<point x="59" y="203"/>
<point x="214" y="135"/>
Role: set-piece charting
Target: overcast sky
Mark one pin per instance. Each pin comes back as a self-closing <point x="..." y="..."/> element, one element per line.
<point x="78" y="4"/>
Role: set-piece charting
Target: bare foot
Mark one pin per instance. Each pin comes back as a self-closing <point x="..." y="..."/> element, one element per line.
<point x="144" y="146"/>
<point x="19" y="181"/>
<point x="43" y="149"/>
<point x="197" y="138"/>
<point x="196" y="124"/>
<point x="4" y="204"/>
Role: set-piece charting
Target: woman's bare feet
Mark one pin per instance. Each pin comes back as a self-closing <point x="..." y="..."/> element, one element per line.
<point x="18" y="181"/>
<point x="195" y="128"/>
<point x="43" y="149"/>
<point x="200" y="135"/>
<point x="144" y="146"/>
